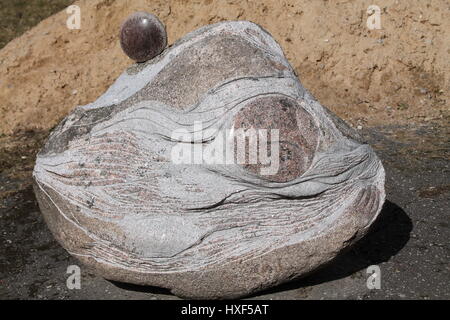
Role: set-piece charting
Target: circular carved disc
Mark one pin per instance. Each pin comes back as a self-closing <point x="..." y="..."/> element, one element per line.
<point x="296" y="130"/>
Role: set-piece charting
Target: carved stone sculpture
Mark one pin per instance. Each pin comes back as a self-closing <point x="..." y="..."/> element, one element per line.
<point x="115" y="195"/>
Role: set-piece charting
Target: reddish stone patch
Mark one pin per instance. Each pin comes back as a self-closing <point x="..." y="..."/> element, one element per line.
<point x="297" y="135"/>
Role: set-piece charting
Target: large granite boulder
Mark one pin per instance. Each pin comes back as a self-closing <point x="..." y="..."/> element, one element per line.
<point x="134" y="184"/>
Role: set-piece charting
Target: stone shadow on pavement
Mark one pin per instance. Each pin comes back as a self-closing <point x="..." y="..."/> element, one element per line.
<point x="387" y="236"/>
<point x="139" y="288"/>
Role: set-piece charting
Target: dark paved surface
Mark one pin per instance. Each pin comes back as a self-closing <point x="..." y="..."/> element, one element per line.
<point x="409" y="241"/>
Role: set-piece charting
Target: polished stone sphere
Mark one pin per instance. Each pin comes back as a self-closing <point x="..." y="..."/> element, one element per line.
<point x="142" y="36"/>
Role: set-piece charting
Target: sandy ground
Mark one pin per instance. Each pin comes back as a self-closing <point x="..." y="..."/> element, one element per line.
<point x="393" y="84"/>
<point x="399" y="74"/>
<point x="18" y="16"/>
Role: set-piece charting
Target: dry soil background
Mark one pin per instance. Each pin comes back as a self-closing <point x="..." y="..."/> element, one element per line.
<point x="399" y="74"/>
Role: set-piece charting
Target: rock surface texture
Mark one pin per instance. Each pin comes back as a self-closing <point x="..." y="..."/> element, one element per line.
<point x="112" y="195"/>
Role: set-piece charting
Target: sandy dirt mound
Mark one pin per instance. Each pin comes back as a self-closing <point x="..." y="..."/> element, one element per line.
<point x="398" y="74"/>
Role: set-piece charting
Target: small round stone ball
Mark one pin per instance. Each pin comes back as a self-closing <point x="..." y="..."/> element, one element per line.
<point x="142" y="36"/>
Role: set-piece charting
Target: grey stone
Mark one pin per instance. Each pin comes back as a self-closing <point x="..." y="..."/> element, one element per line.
<point x="113" y="196"/>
